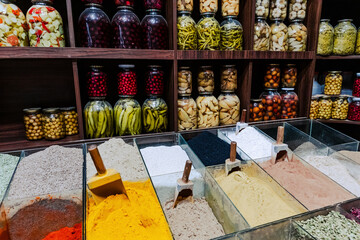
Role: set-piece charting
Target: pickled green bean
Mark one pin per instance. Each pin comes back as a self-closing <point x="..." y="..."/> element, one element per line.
<point x="186" y="38"/>
<point x="231" y="36"/>
<point x="208" y="30"/>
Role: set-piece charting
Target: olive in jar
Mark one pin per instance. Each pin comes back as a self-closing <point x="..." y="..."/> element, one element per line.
<point x="33" y="123"/>
<point x="314" y="107"/>
<point x="53" y="124"/>
<point x="333" y="83"/>
<point x="325" y="107"/>
<point x="340" y="108"/>
<point x="71" y="121"/>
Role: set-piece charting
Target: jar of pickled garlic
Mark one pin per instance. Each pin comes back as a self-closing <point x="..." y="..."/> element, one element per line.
<point x="340" y="107"/>
<point x="185" y="5"/>
<point x="208" y="6"/>
<point x="13" y="26"/>
<point x="278" y="9"/>
<point x="357" y="47"/>
<point x="354" y="109"/>
<point x="333" y="82"/>
<point x="314" y="107"/>
<point x="256" y="110"/>
<point x="71" y="121"/>
<point x="208" y="111"/>
<point x="271" y="100"/>
<point x="126" y="77"/>
<point x="261" y="35"/>
<point x="289" y="103"/>
<point x="230" y="8"/>
<point x="297" y="9"/>
<point x="187" y="113"/>
<point x="206" y="80"/>
<point x="97" y="81"/>
<point x="154" y="80"/>
<point x="154" y="112"/>
<point x="53" y="124"/>
<point x="325" y="106"/>
<point x="289" y="76"/>
<point x="186" y="32"/>
<point x="46" y="28"/>
<point x="231" y="34"/>
<point x="33" y="123"/>
<point x="184" y="80"/>
<point x="356" y="87"/>
<point x="262" y="8"/>
<point x="272" y="76"/>
<point x="229" y="108"/>
<point x="98" y="119"/>
<point x="297" y="36"/>
<point x="228" y="78"/>
<point x="278" y="36"/>
<point x="127" y="115"/>
<point x="344" y="37"/>
<point x="208" y="32"/>
<point x="155" y="30"/>
<point x="153" y="4"/>
<point x="326" y="38"/>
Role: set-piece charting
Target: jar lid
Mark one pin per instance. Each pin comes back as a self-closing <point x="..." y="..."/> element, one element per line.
<point x="270" y="89"/>
<point x="335" y="72"/>
<point x="291" y="65"/>
<point x="184" y="67"/>
<point x="345" y="20"/>
<point x="356" y="98"/>
<point x="126" y="66"/>
<point x="67" y="109"/>
<point x="255" y="100"/>
<point x="315" y="97"/>
<point x="153" y="11"/>
<point x="44" y="1"/>
<point x="230" y="16"/>
<point x="227" y="91"/>
<point x="31" y="110"/>
<point x="296" y="20"/>
<point x="358" y="74"/>
<point x="206" y="93"/>
<point x="126" y="96"/>
<point x="125" y="7"/>
<point x="262" y="18"/>
<point x="287" y="89"/>
<point x="154" y="66"/>
<point x="325" y="20"/>
<point x="184" y="12"/>
<point x="278" y="20"/>
<point x="205" y="66"/>
<point x="97" y="98"/>
<point x="96" y="66"/>
<point x="93" y="5"/>
<point x="274" y="64"/>
<point x="184" y="94"/>
<point x="325" y="96"/>
<point x="228" y="66"/>
<point x="51" y="110"/>
<point x="208" y="14"/>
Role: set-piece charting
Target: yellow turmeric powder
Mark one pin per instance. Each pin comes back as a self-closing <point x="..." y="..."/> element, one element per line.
<point x="140" y="217"/>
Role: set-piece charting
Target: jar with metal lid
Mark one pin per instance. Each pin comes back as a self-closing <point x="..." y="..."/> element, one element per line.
<point x="154" y="112"/>
<point x="326" y="38"/>
<point x="153" y="4"/>
<point x="297" y="9"/>
<point x="154" y="78"/>
<point x="289" y="103"/>
<point x="261" y="35"/>
<point x="278" y="9"/>
<point x="186" y="32"/>
<point x="71" y="121"/>
<point x="33" y="123"/>
<point x="262" y="8"/>
<point x="354" y="109"/>
<point x="289" y="76"/>
<point x="230" y="8"/>
<point x="99" y="119"/>
<point x="279" y="36"/>
<point x="228" y="78"/>
<point x="208" y="111"/>
<point x="208" y="32"/>
<point x="333" y="83"/>
<point x="271" y="100"/>
<point x="206" y="80"/>
<point x="256" y="110"/>
<point x="127" y="115"/>
<point x="229" y="108"/>
<point x="208" y="6"/>
<point x="187" y="113"/>
<point x="344" y="37"/>
<point x="325" y="106"/>
<point x="155" y="30"/>
<point x="314" y="107"/>
<point x="185" y="5"/>
<point x="356" y="87"/>
<point x="231" y="34"/>
<point x="93" y="1"/>
<point x="340" y="107"/>
<point x="97" y="82"/>
<point x="357" y="47"/>
<point x="129" y="3"/>
<point x="297" y="36"/>
<point x="126" y="77"/>
<point x="53" y="124"/>
<point x="184" y="80"/>
<point x="272" y="76"/>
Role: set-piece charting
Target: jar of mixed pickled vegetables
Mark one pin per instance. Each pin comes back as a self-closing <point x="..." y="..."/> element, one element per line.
<point x="97" y="81"/>
<point x="46" y="28"/>
<point x="230" y="8"/>
<point x="289" y="103"/>
<point x="344" y="37"/>
<point x="354" y="109"/>
<point x="71" y="121"/>
<point x="154" y="112"/>
<point x="126" y="77"/>
<point x="187" y="113"/>
<point x="256" y="110"/>
<point x="127" y="115"/>
<point x="340" y="107"/>
<point x="206" y="80"/>
<point x="314" y="107"/>
<point x="356" y="87"/>
<point x="186" y="32"/>
<point x="289" y="76"/>
<point x="185" y="5"/>
<point x="278" y="9"/>
<point x="297" y="36"/>
<point x="297" y="9"/>
<point x="208" y="6"/>
<point x="208" y="32"/>
<point x="272" y="76"/>
<point x="261" y="35"/>
<point x="278" y="36"/>
<point x="53" y="124"/>
<point x="325" y="106"/>
<point x="229" y="108"/>
<point x="184" y="80"/>
<point x="228" y="78"/>
<point x="262" y="8"/>
<point x="208" y="111"/>
<point x="326" y="38"/>
<point x="231" y="34"/>
<point x="271" y="100"/>
<point x="33" y="118"/>
<point x="333" y="83"/>
<point x="155" y="30"/>
<point x="154" y="78"/>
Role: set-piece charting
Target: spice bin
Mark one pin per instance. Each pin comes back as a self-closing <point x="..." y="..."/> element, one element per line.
<point x="53" y="124"/>
<point x="278" y="9"/>
<point x="262" y="8"/>
<point x="231" y="34"/>
<point x="344" y="37"/>
<point x="354" y="109"/>
<point x="187" y="113"/>
<point x="154" y="80"/>
<point x="184" y="80"/>
<point x="33" y="118"/>
<point x="185" y="5"/>
<point x="208" y="6"/>
<point x="278" y="36"/>
<point x="71" y="121"/>
<point x="230" y="8"/>
<point x="289" y="103"/>
<point x="228" y="78"/>
<point x="229" y="108"/>
<point x="206" y="80"/>
<point x="314" y="107"/>
<point x="271" y="100"/>
<point x="256" y="110"/>
<point x="356" y="87"/>
<point x="154" y="113"/>
<point x="261" y="35"/>
<point x="325" y="106"/>
<point x="297" y="36"/>
<point x="333" y="82"/>
<point x="126" y="79"/>
<point x="326" y="38"/>
<point x="208" y="111"/>
<point x="127" y="115"/>
<point x="208" y="32"/>
<point x="97" y="81"/>
<point x="289" y="76"/>
<point x="99" y="119"/>
<point x="186" y="32"/>
<point x="155" y="30"/>
<point x="272" y="76"/>
<point x="153" y="4"/>
<point x="340" y="107"/>
<point x="297" y="9"/>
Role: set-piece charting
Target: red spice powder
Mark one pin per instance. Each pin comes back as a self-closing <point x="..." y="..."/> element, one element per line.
<point x="74" y="233"/>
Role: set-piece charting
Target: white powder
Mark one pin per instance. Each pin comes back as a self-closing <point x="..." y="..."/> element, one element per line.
<point x="7" y="167"/>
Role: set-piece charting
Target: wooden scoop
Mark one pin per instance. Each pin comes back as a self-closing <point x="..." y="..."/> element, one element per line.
<point x="232" y="164"/>
<point x="242" y="124"/>
<point x="184" y="188"/>
<point x="279" y="149"/>
<point x="106" y="182"/>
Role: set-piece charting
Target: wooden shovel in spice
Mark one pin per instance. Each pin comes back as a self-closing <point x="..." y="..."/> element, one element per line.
<point x="106" y="182"/>
<point x="242" y="124"/>
<point x="279" y="150"/>
<point x="184" y="187"/>
<point x="232" y="164"/>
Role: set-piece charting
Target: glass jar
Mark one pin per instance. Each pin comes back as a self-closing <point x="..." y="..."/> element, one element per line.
<point x="185" y="5"/>
<point x="187" y="113"/>
<point x="208" y="111"/>
<point x="155" y="30"/>
<point x="356" y="87"/>
<point x="126" y="29"/>
<point x="127" y="115"/>
<point x="92" y="1"/>
<point x="153" y="4"/>
<point x="256" y="110"/>
<point x="206" y="80"/>
<point x="231" y="34"/>
<point x="262" y="8"/>
<point x="357" y="47"/>
<point x="53" y="124"/>
<point x="13" y="26"/>
<point x="289" y="76"/>
<point x="97" y="81"/>
<point x="333" y="82"/>
<point x="278" y="36"/>
<point x="127" y="80"/>
<point x="344" y="37"/>
<point x="184" y="80"/>
<point x="99" y="119"/>
<point x="297" y="9"/>
<point x="272" y="76"/>
<point x="94" y="27"/>
<point x="340" y="107"/>
<point x="271" y="100"/>
<point x="297" y="36"/>
<point x="289" y="103"/>
<point x="314" y="107"/>
<point x="33" y="123"/>
<point x="71" y="121"/>
<point x="45" y="25"/>
<point x="325" y="105"/>
<point x="229" y="108"/>
<point x="230" y="8"/>
<point x="354" y="109"/>
<point x="278" y="9"/>
<point x="186" y="32"/>
<point x="228" y="78"/>
<point x="154" y="80"/>
<point x="208" y="32"/>
<point x="261" y="35"/>
<point x="326" y="38"/>
<point x="154" y="112"/>
<point x="208" y="6"/>
<point x="128" y="3"/>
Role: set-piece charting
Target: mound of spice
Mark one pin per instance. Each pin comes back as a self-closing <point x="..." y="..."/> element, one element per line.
<point x="67" y="233"/>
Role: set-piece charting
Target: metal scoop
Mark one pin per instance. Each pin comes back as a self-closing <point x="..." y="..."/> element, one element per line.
<point x="279" y="150"/>
<point x="232" y="164"/>
<point x="184" y="188"/>
<point x="242" y="124"/>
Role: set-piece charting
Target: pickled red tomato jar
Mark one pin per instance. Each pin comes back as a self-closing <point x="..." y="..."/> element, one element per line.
<point x="155" y="30"/>
<point x="127" y="85"/>
<point x="130" y="3"/>
<point x="289" y="103"/>
<point x="97" y="82"/>
<point x="354" y="109"/>
<point x="126" y="29"/>
<point x="356" y="88"/>
<point x="153" y="4"/>
<point x="94" y="27"/>
<point x="154" y="80"/>
<point x="271" y="100"/>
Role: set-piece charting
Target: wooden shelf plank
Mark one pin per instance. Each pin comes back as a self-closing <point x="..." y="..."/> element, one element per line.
<point x="258" y="55"/>
<point x="333" y="121"/>
<point x="350" y="57"/>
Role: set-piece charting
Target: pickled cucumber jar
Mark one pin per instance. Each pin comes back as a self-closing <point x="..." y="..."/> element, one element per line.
<point x="344" y="37"/>
<point x="256" y="110"/>
<point x="184" y="80"/>
<point x="357" y="47"/>
<point x="185" y="5"/>
<point x="297" y="9"/>
<point x="155" y="30"/>
<point x="289" y="76"/>
<point x="230" y="8"/>
<point x="187" y="113"/>
<point x="228" y="78"/>
<point x="186" y="32"/>
<point x="229" y="108"/>
<point x="297" y="36"/>
<point x="208" y="32"/>
<point x="354" y="109"/>
<point x="314" y="107"/>
<point x="208" y="6"/>
<point x="231" y="34"/>
<point x="325" y="106"/>
<point x="127" y="115"/>
<point x="99" y="119"/>
<point x="46" y="28"/>
<point x="272" y="76"/>
<point x="340" y="107"/>
<point x="289" y="103"/>
<point x="208" y="111"/>
<point x="271" y="100"/>
<point x="261" y="35"/>
<point x="333" y="82"/>
<point x="278" y="36"/>
<point x="206" y="80"/>
<point x="154" y="115"/>
<point x="33" y="118"/>
<point x="53" y="124"/>
<point x="278" y="9"/>
<point x="13" y="26"/>
<point x="71" y="121"/>
<point x="326" y="38"/>
<point x="262" y="8"/>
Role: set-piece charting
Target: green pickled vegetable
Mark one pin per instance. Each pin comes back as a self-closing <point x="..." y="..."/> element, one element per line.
<point x="326" y="39"/>
<point x="186" y="38"/>
<point x="357" y="49"/>
<point x="231" y="35"/>
<point x="127" y="117"/>
<point x="344" y="38"/>
<point x="208" y="30"/>
<point x="154" y="112"/>
<point x="98" y="119"/>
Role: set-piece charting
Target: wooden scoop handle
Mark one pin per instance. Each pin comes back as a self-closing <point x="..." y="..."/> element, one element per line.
<point x="187" y="171"/>
<point x="233" y="151"/>
<point x="243" y="116"/>
<point x="280" y="135"/>
<point x="98" y="162"/>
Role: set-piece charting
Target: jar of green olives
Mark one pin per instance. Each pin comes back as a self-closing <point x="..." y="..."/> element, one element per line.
<point x="344" y="37"/>
<point x="231" y="34"/>
<point x="326" y="38"/>
<point x="314" y="107"/>
<point x="186" y="32"/>
<point x="71" y="121"/>
<point x="33" y="123"/>
<point x="325" y="105"/>
<point x="333" y="82"/>
<point x="340" y="107"/>
<point x="208" y="32"/>
<point x="54" y="124"/>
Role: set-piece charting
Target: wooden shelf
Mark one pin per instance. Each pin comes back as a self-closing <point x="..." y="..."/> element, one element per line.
<point x="333" y="121"/>
<point x="350" y="57"/>
<point x="258" y="55"/>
